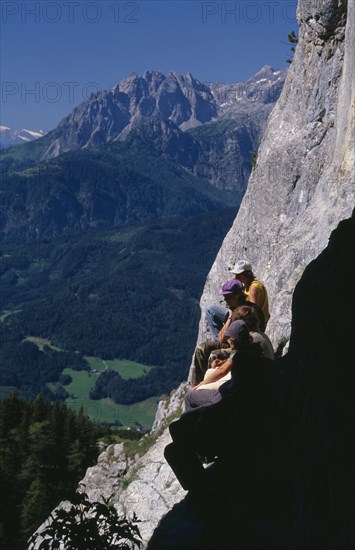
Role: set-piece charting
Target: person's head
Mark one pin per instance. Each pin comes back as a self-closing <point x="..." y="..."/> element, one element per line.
<point x="243" y="271"/>
<point x="238" y="335"/>
<point x="249" y="315"/>
<point x="232" y="291"/>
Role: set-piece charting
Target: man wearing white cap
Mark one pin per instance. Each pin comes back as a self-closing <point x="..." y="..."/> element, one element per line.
<point x="255" y="290"/>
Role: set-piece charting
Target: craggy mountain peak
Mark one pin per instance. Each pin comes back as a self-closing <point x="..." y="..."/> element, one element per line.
<point x="173" y="117"/>
<point x="261" y="89"/>
<point x="180" y="99"/>
<point x="110" y="115"/>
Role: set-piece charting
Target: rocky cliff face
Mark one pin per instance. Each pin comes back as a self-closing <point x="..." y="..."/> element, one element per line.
<point x="302" y="186"/>
<point x="298" y="493"/>
<point x="303" y="183"/>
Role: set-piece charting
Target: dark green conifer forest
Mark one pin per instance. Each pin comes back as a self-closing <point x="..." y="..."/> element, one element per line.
<point x="45" y="449"/>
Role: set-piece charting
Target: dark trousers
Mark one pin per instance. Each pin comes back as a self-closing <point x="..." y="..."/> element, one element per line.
<point x="201" y="398"/>
<point x="183" y="454"/>
<point x="186" y="465"/>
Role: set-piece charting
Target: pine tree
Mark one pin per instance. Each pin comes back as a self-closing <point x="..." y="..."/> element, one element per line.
<point x="39" y="408"/>
<point x="45" y="450"/>
<point x="35" y="507"/>
<point x="76" y="460"/>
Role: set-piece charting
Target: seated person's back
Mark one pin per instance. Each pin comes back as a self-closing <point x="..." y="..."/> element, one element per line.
<point x="249" y="315"/>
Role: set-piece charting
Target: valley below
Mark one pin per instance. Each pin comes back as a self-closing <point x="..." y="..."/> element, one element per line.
<point x="69" y="311"/>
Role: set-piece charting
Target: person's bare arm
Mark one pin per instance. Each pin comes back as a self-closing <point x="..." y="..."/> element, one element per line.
<point x="254" y="295"/>
<point x="216" y="363"/>
<point x="221" y="334"/>
<point x="217" y="373"/>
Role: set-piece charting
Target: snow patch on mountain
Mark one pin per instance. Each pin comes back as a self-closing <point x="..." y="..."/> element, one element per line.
<point x="9" y="136"/>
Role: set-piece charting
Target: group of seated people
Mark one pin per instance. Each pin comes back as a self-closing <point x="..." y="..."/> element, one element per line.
<point x="220" y="374"/>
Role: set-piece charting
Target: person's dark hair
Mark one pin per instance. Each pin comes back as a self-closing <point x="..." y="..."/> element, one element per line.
<point x="242" y="299"/>
<point x="249" y="275"/>
<point x="249" y="315"/>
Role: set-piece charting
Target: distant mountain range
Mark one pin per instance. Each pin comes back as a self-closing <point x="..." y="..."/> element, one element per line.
<point x="164" y="108"/>
<point x="9" y="137"/>
<point x="182" y="140"/>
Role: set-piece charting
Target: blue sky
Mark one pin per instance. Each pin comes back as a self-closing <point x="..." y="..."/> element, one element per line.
<point x="55" y="53"/>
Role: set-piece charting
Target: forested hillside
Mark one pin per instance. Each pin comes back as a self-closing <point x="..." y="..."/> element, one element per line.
<point x="128" y="293"/>
<point x="106" y="186"/>
<point x="45" y="450"/>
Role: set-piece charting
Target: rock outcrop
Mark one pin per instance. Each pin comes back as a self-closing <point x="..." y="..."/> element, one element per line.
<point x="143" y="485"/>
<point x="303" y="182"/>
<point x="299" y="493"/>
<point x="302" y="186"/>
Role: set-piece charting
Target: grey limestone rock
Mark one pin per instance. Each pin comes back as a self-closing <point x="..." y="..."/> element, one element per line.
<point x="169" y="407"/>
<point x="152" y="489"/>
<point x="303" y="182"/>
<point x="143" y="485"/>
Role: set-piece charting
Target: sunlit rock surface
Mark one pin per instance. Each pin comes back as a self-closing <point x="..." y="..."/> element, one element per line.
<point x="303" y="183"/>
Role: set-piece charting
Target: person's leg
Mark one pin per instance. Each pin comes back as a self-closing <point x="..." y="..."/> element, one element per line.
<point x="186" y="465"/>
<point x="215" y="317"/>
<point x="181" y="430"/>
<point x="201" y="398"/>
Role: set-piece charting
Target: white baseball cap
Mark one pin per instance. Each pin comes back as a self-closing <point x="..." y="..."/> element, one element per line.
<point x="240" y="266"/>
